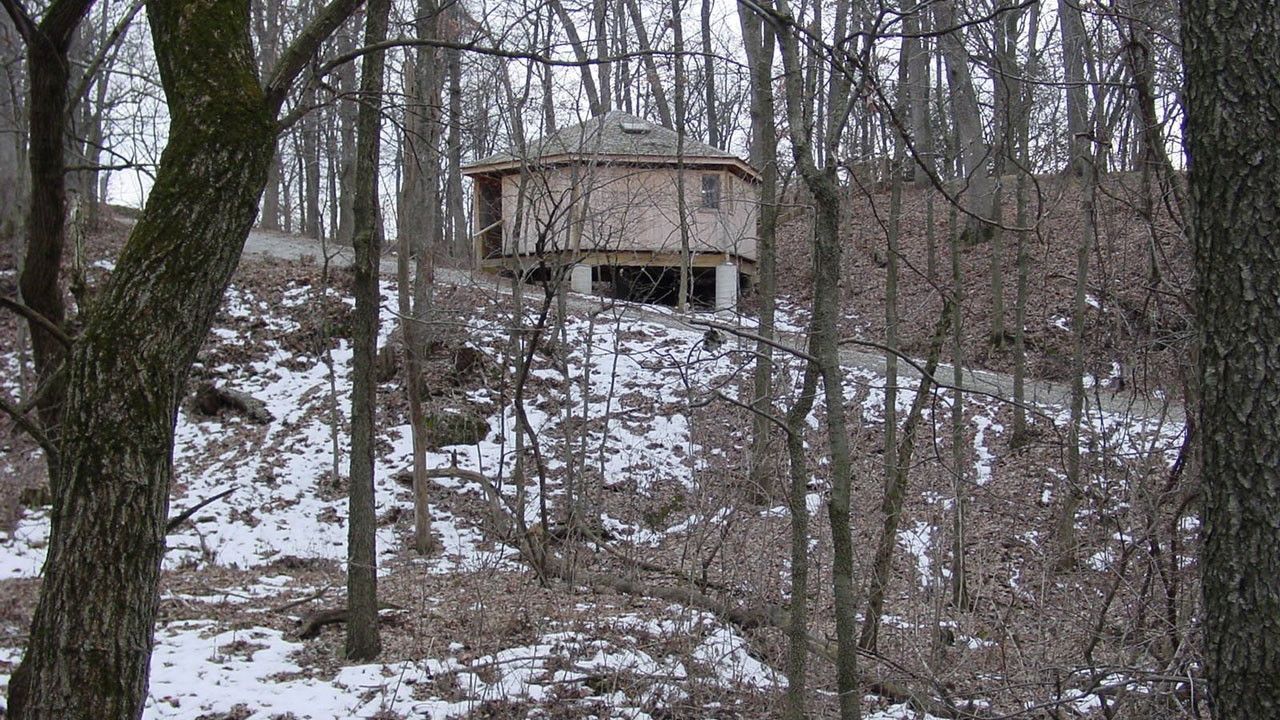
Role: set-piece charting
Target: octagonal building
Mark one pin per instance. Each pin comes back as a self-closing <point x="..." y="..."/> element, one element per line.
<point x="602" y="198"/>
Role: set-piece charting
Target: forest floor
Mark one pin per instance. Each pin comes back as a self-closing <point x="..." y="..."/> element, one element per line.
<point x="625" y="404"/>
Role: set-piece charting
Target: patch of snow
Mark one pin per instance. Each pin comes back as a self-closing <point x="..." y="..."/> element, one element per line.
<point x="23" y="551"/>
<point x="982" y="466"/>
<point x="917" y="541"/>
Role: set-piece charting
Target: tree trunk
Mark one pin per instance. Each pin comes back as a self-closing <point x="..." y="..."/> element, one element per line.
<point x="421" y="242"/>
<point x="895" y="491"/>
<point x="709" y="80"/>
<point x="682" y="200"/>
<point x="13" y="172"/>
<point x="91" y="636"/>
<point x="1233" y="119"/>
<point x="976" y="185"/>
<point x="363" y="641"/>
<point x="459" y="231"/>
<point x="1023" y="150"/>
<point x="764" y="155"/>
<point x="310" y="180"/>
<point x="797" y="501"/>
<point x="921" y="127"/>
<point x="268" y="31"/>
<point x="347" y="112"/>
<point x="823" y="184"/>
<point x="959" y="447"/>
<point x="650" y="65"/>
<point x="47" y="62"/>
<point x="599" y="21"/>
<point x="1084" y="167"/>
<point x="580" y="53"/>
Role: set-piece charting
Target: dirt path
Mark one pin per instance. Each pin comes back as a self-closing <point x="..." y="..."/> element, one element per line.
<point x="1050" y="396"/>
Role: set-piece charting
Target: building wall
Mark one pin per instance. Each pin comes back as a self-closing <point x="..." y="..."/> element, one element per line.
<point x="617" y="209"/>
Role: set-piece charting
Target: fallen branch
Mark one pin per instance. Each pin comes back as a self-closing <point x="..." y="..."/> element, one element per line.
<point x="210" y="400"/>
<point x="497" y="503"/>
<point x="310" y="626"/>
<point x="300" y="601"/>
<point x="776" y="344"/>
<point x="185" y="515"/>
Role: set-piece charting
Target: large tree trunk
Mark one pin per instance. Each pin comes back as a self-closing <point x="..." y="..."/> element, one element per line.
<point x="91" y="636"/>
<point x="1232" y="56"/>
<point x="363" y="641"/>
<point x="89" y="651"/>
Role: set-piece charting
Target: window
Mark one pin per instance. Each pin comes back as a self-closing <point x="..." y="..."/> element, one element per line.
<point x="711" y="191"/>
<point x="490" y="221"/>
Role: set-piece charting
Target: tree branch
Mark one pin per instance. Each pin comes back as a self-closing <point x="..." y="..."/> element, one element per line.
<point x="938" y="383"/>
<point x="21" y="20"/>
<point x="29" y="427"/>
<point x="493" y="51"/>
<point x="32" y="316"/>
<point x="61" y="20"/>
<point x="303" y="48"/>
<point x="106" y="50"/>
<point x="183" y="516"/>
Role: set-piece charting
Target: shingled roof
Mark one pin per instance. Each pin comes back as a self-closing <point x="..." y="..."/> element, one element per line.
<point x="614" y="133"/>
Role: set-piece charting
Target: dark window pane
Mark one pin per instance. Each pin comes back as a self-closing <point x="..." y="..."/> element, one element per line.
<point x="711" y="191"/>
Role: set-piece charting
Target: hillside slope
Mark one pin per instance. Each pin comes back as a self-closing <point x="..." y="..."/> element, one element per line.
<point x="1137" y="323"/>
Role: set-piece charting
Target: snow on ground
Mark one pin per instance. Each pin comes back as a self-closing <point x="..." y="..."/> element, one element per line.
<point x="284" y="505"/>
<point x="641" y="378"/>
<point x="22" y="551"/>
<point x="917" y="541"/>
<point x="200" y="669"/>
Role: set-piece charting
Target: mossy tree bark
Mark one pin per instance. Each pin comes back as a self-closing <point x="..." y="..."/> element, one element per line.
<point x="91" y="637"/>
<point x="1231" y="51"/>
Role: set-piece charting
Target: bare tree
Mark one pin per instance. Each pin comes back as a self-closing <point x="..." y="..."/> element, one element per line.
<point x="760" y="47"/>
<point x="823" y="185"/>
<point x="976" y="186"/>
<point x="420" y="238"/>
<point x="363" y="641"/>
<point x="48" y="42"/>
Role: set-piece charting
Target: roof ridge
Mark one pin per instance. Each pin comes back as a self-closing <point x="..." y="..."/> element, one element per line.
<point x="608" y="134"/>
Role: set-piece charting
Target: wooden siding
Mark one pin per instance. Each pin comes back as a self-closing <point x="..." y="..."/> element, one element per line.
<point x="616" y="211"/>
